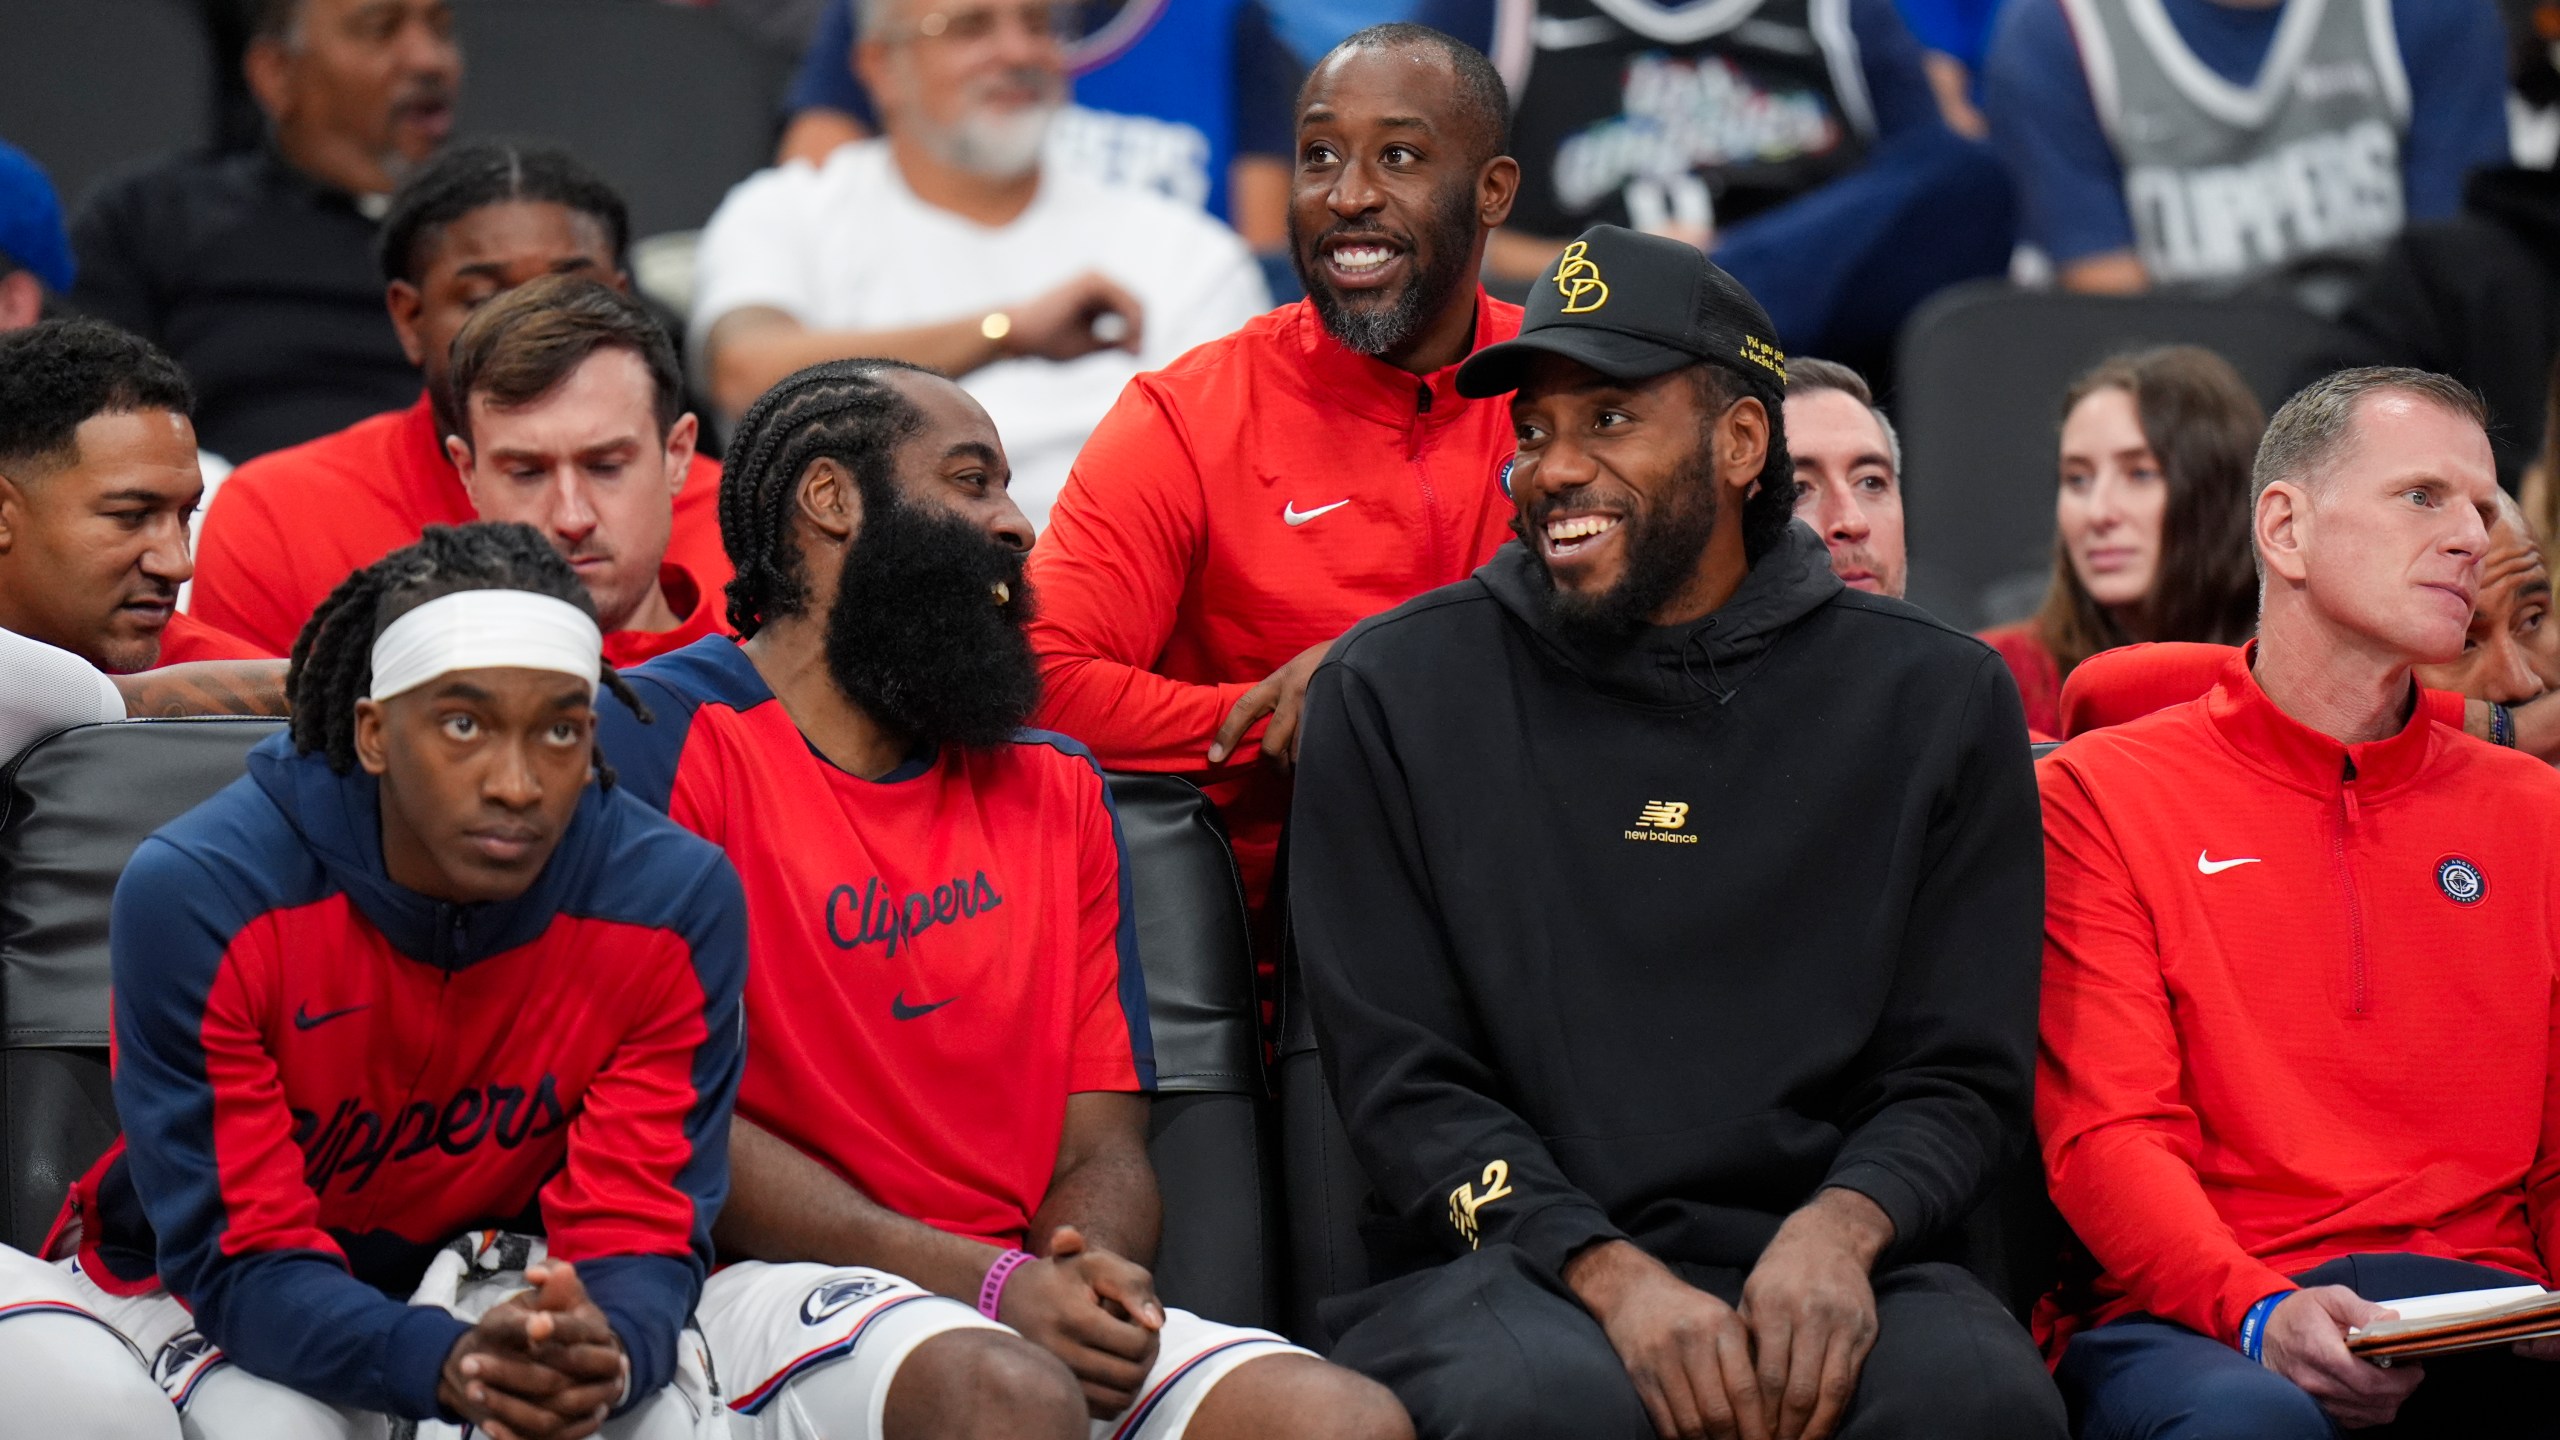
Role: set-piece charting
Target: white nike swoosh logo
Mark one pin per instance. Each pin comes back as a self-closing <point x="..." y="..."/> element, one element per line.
<point x="1295" y="516"/>
<point x="2216" y="867"/>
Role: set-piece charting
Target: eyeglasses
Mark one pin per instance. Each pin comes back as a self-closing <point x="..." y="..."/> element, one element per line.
<point x="976" y="24"/>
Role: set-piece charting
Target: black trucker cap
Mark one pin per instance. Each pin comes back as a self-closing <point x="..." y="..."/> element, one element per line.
<point x="1633" y="306"/>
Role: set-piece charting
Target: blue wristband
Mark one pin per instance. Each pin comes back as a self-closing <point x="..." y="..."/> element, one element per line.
<point x="2253" y="1326"/>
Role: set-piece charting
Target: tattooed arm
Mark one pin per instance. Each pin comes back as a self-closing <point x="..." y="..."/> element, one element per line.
<point x="205" y="687"/>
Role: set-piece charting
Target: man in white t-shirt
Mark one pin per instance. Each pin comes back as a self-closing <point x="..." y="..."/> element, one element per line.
<point x="945" y="243"/>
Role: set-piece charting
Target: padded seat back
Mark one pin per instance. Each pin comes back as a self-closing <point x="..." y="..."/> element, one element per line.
<point x="72" y="808"/>
<point x="1210" y="1121"/>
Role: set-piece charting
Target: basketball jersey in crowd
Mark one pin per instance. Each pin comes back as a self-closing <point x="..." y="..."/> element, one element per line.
<point x="2227" y="183"/>
<point x="1673" y="117"/>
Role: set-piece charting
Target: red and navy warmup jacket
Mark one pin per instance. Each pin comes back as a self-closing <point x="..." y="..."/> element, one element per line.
<point x="323" y="1076"/>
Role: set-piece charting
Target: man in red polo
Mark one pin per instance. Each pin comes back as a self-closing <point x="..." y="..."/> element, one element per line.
<point x="1242" y="507"/>
<point x="481" y="219"/>
<point x="2299" y="1003"/>
<point x="573" y="422"/>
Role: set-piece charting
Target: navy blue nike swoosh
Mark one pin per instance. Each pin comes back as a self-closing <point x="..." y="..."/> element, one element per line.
<point x="303" y="1019"/>
<point x="900" y="1009"/>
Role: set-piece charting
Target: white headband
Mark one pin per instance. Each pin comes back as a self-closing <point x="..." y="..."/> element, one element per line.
<point x="486" y="630"/>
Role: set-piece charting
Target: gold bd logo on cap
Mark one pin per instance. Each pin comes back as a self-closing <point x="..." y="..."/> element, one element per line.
<point x="1578" y="280"/>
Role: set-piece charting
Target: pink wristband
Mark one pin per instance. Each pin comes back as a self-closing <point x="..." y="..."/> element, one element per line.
<point x="991" y="1289"/>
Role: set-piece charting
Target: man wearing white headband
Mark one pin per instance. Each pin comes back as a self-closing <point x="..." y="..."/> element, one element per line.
<point x="426" y="1044"/>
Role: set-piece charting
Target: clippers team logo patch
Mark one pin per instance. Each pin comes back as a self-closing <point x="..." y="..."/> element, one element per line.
<point x="837" y="1296"/>
<point x="1502" y="477"/>
<point x="2460" y="880"/>
<point x="1578" y="281"/>
<point x="1663" y="820"/>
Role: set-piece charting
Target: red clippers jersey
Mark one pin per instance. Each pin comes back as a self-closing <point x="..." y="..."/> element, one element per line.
<point x="286" y="527"/>
<point x="940" y="956"/>
<point x="2299" y="1002"/>
<point x="1262" y="494"/>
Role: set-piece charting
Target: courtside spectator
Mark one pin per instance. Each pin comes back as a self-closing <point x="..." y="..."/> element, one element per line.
<point x="948" y="1059"/>
<point x="2512" y="653"/>
<point x="1802" y="146"/>
<point x="950" y="243"/>
<point x="97" y="478"/>
<point x="2199" y="145"/>
<point x="254" y="270"/>
<point x="2151" y="519"/>
<point x="573" y="422"/>
<point x="2298" y="991"/>
<point x="1532" y="801"/>
<point x="1239" y="510"/>
<point x="419" y="975"/>
<point x="1848" y="474"/>
<point x="35" y="254"/>
<point x="479" y="220"/>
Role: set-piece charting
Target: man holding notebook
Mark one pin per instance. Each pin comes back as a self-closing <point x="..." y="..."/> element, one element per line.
<point x="2299" y="1002"/>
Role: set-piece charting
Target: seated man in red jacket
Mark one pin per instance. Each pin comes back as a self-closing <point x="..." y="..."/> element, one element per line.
<point x="426" y="1041"/>
<point x="2299" y="994"/>
<point x="1242" y="507"/>
<point x="479" y="220"/>
<point x="97" y="480"/>
<point x="571" y="419"/>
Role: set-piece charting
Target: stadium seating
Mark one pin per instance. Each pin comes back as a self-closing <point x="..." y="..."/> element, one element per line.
<point x="74" y="805"/>
<point x="673" y="104"/>
<point x="1982" y="371"/>
<point x="81" y="118"/>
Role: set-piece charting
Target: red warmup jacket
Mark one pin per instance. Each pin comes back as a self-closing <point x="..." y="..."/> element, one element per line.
<point x="2299" y="1003"/>
<point x="1260" y="495"/>
<point x="286" y="527"/>
<point x="186" y="639"/>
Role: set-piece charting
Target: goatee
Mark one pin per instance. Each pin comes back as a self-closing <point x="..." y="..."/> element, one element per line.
<point x="1381" y="325"/>
<point x="918" y="636"/>
<point x="1663" y="551"/>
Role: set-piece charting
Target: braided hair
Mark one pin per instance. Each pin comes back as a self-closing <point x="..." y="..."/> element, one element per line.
<point x="848" y="411"/>
<point x="332" y="662"/>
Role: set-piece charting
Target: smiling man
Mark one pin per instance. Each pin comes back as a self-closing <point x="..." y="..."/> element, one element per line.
<point x="1671" y="1119"/>
<point x="1240" y="509"/>
<point x="422" y="976"/>
<point x="97" y="480"/>
<point x="572" y="421"/>
<point x="2298" y="1001"/>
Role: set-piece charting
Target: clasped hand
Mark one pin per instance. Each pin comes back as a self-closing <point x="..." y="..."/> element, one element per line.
<point x="1094" y="1310"/>
<point x="541" y="1365"/>
<point x="1780" y="1366"/>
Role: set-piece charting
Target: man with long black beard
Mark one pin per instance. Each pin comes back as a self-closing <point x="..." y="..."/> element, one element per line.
<point x="1671" y="916"/>
<point x="1242" y="507"/>
<point x="941" y="1205"/>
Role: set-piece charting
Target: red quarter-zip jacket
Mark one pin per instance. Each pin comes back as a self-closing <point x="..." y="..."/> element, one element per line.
<point x="2298" y="1003"/>
<point x="1262" y="494"/>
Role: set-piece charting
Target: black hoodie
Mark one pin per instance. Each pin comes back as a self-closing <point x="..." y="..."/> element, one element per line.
<point x="1656" y="941"/>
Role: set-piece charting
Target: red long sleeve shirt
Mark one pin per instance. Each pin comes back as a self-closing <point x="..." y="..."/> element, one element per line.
<point x="2299" y="1003"/>
<point x="286" y="527"/>
<point x="1260" y="495"/>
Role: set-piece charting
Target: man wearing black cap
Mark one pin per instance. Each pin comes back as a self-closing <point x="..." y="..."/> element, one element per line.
<point x="1672" y="918"/>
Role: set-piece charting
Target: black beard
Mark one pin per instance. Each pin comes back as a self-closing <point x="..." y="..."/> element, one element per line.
<point x="915" y="636"/>
<point x="1377" y="328"/>
<point x="1662" y="553"/>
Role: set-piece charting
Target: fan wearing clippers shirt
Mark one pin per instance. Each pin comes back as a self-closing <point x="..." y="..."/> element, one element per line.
<point x="417" y="976"/>
<point x="943" y="1205"/>
<point x="2300" y="1006"/>
<point x="1239" y="509"/>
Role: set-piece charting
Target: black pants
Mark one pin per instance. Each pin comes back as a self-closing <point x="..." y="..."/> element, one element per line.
<point x="1494" y="1347"/>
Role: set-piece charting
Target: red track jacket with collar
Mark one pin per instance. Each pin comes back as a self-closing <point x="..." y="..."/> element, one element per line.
<point x="2299" y="1002"/>
<point x="1260" y="495"/>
